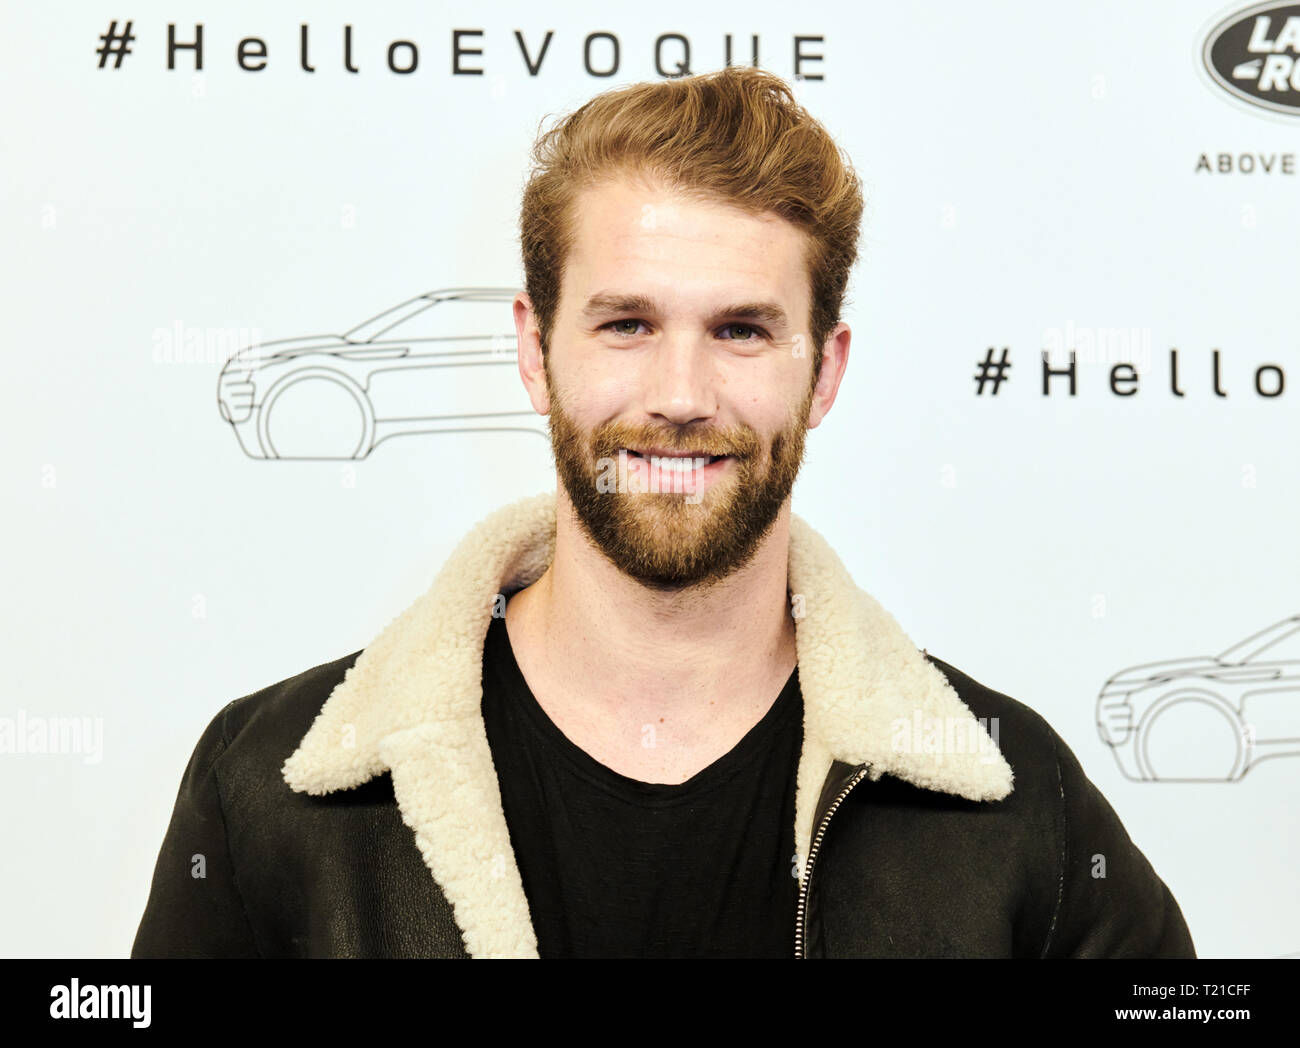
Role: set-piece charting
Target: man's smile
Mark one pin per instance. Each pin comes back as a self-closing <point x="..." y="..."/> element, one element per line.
<point x="675" y="459"/>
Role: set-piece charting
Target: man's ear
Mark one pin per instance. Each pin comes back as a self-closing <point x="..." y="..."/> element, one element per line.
<point x="835" y="358"/>
<point x="532" y="368"/>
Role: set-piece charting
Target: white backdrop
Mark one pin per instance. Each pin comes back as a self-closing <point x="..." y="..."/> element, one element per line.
<point x="1032" y="183"/>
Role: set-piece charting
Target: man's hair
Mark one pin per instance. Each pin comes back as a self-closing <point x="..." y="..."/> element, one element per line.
<point x="736" y="136"/>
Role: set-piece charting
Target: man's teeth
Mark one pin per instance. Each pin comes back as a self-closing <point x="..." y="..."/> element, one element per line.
<point x="681" y="465"/>
<point x="676" y="463"/>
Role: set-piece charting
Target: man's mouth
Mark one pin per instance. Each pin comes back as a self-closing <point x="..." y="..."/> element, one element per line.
<point x="675" y="460"/>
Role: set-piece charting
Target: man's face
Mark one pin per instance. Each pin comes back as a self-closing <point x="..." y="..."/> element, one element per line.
<point x="656" y="354"/>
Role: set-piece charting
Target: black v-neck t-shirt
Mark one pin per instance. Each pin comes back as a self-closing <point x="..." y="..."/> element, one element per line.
<point x="616" y="867"/>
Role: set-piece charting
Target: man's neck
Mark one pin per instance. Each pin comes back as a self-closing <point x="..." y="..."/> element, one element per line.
<point x="613" y="661"/>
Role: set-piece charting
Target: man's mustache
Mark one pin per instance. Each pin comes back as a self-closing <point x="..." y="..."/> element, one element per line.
<point x="607" y="442"/>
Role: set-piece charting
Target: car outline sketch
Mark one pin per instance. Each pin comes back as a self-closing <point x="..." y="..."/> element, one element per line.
<point x="382" y="365"/>
<point x="1256" y="693"/>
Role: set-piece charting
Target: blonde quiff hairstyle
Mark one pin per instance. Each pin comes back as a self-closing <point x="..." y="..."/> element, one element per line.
<point x="736" y="136"/>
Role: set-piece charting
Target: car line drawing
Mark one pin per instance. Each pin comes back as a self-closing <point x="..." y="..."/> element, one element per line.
<point x="1206" y="718"/>
<point x="444" y="361"/>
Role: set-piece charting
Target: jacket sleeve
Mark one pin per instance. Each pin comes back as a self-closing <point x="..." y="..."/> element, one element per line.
<point x="1110" y="902"/>
<point x="194" y="907"/>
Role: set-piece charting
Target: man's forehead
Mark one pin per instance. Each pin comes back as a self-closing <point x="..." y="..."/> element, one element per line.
<point x="646" y="247"/>
<point x="646" y="204"/>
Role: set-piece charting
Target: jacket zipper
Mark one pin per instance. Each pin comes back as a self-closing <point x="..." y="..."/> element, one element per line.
<point x="800" y="949"/>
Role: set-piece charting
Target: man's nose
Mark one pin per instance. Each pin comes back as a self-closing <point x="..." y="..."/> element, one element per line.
<point x="679" y="382"/>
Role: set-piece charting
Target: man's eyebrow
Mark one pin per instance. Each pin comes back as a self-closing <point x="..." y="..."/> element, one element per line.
<point x="612" y="302"/>
<point x="604" y="303"/>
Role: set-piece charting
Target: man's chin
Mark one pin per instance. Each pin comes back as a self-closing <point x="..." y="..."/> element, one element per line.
<point x="667" y="522"/>
<point x="669" y="543"/>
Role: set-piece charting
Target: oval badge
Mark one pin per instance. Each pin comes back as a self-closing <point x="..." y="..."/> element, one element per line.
<point x="1255" y="56"/>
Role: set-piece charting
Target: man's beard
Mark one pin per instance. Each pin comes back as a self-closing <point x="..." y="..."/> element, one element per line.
<point x="671" y="539"/>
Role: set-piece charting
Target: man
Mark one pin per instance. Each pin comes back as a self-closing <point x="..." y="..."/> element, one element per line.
<point x="651" y="714"/>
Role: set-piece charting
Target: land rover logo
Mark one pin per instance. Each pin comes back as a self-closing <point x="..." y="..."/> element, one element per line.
<point x="1255" y="56"/>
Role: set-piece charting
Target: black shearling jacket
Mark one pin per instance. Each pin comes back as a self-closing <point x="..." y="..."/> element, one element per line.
<point x="353" y="810"/>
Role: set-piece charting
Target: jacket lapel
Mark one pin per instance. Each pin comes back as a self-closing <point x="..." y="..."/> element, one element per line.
<point x="410" y="705"/>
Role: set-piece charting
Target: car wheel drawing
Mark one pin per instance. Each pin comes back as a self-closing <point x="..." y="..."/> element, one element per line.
<point x="1164" y="741"/>
<point x="285" y="417"/>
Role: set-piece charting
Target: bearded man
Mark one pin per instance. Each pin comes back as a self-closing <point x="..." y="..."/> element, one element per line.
<point x="650" y="714"/>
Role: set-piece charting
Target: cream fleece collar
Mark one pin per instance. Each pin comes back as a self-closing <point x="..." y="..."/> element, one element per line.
<point x="410" y="705"/>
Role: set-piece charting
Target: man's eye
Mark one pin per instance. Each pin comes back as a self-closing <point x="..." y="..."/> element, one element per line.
<point x="747" y="332"/>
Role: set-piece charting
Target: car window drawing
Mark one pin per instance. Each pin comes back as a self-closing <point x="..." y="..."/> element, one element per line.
<point x="1206" y="718"/>
<point x="444" y="361"/>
